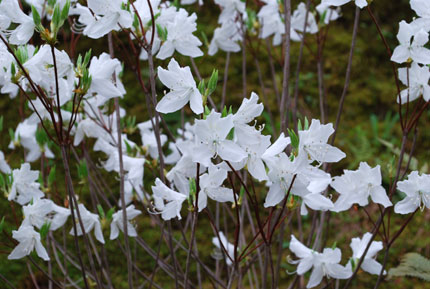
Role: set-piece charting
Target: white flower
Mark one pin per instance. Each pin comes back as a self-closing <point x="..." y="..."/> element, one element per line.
<point x="28" y="240"/>
<point x="108" y="16"/>
<point x="271" y="21"/>
<point x="248" y="110"/>
<point x="174" y="200"/>
<point x="230" y="9"/>
<point x="183" y="89"/>
<point x="211" y="186"/>
<point x="43" y="211"/>
<point x="328" y="13"/>
<point x="4" y="167"/>
<point x="229" y="247"/>
<point x="90" y="221"/>
<point x="307" y="180"/>
<point x="12" y="13"/>
<point x="359" y="3"/>
<point x="25" y="135"/>
<point x="180" y="28"/>
<point x="101" y="70"/>
<point x="314" y="143"/>
<point x="255" y="145"/>
<point x="355" y="187"/>
<point x="418" y="80"/>
<point x="323" y="264"/>
<point x="358" y="247"/>
<point x="417" y="190"/>
<point x="211" y="136"/>
<point x="117" y="222"/>
<point x="225" y="38"/>
<point x="298" y="22"/>
<point x="24" y="186"/>
<point x="414" y="49"/>
<point x="149" y="139"/>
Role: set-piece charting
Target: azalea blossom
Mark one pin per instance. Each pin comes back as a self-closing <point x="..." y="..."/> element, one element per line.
<point x="248" y="110"/>
<point x="11" y="12"/>
<point x="180" y="27"/>
<point x="90" y="222"/>
<point x="25" y="135"/>
<point x="271" y="21"/>
<point x="359" y="3"/>
<point x="211" y="186"/>
<point x="172" y="207"/>
<point x="313" y="142"/>
<point x="101" y="17"/>
<point x="117" y="222"/>
<point x="222" y="242"/>
<point x="4" y="167"/>
<point x="183" y="89"/>
<point x="417" y="190"/>
<point x="411" y="49"/>
<point x="44" y="211"/>
<point x="422" y="8"/>
<point x="101" y="70"/>
<point x="255" y="145"/>
<point x="297" y="176"/>
<point x="29" y="240"/>
<point x="328" y="13"/>
<point x="417" y="78"/>
<point x="298" y="22"/>
<point x="355" y="187"/>
<point x="24" y="186"/>
<point x="226" y="38"/>
<point x="323" y="264"/>
<point x="212" y="140"/>
<point x="369" y="263"/>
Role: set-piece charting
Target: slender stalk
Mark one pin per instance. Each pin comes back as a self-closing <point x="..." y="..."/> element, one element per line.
<point x="347" y="74"/>
<point x="299" y="64"/>
<point x="286" y="69"/>
<point x="225" y="79"/>
<point x="121" y="177"/>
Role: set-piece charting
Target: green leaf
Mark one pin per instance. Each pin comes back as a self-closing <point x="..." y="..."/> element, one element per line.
<point x="306" y="123"/>
<point x="299" y="125"/>
<point x="41" y="137"/>
<point x="11" y="134"/>
<point x="202" y="87"/>
<point x="205" y="38"/>
<point x="101" y="212"/>
<point x="87" y="58"/>
<point x="44" y="230"/>
<point x="36" y="18"/>
<point x="82" y="170"/>
<point x="1" y="225"/>
<point x="413" y="265"/>
<point x="65" y="11"/>
<point x="51" y="176"/>
<point x="56" y="19"/>
<point x="2" y="180"/>
<point x="294" y="138"/>
<point x="12" y="69"/>
<point x="224" y="112"/>
<point x="110" y="213"/>
<point x="213" y="81"/>
<point x="1" y="123"/>
<point x="162" y="32"/>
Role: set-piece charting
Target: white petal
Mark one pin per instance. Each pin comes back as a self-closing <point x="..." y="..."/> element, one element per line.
<point x="230" y="151"/>
<point x="372" y="266"/>
<point x="379" y="196"/>
<point x="316" y="277"/>
<point x="400" y="54"/>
